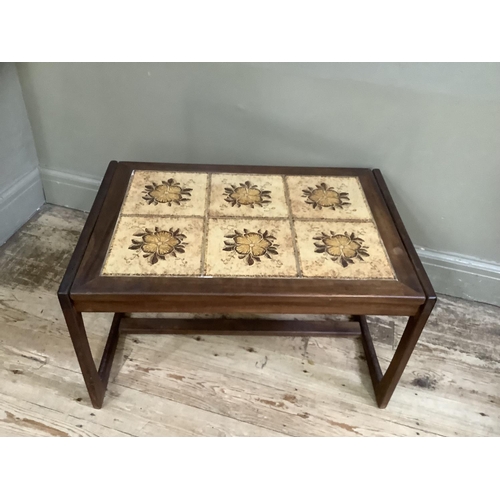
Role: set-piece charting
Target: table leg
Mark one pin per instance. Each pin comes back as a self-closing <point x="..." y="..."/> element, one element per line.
<point x="76" y="328"/>
<point x="385" y="387"/>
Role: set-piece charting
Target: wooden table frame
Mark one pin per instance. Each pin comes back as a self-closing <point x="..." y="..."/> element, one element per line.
<point x="84" y="290"/>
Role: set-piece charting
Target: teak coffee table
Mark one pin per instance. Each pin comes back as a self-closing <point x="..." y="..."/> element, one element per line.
<point x="244" y="239"/>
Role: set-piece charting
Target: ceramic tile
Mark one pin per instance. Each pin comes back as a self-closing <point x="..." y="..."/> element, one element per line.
<point x="250" y="247"/>
<point x="327" y="198"/>
<point x="155" y="246"/>
<point x="247" y="195"/>
<point x="166" y="230"/>
<point x="155" y="192"/>
<point x="326" y="251"/>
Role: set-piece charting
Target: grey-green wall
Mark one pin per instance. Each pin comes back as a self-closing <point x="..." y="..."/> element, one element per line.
<point x="21" y="191"/>
<point x="433" y="129"/>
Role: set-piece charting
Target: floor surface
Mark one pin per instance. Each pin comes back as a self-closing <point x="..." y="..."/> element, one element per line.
<point x="163" y="385"/>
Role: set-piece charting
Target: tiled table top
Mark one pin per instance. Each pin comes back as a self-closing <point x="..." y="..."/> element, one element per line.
<point x="250" y="225"/>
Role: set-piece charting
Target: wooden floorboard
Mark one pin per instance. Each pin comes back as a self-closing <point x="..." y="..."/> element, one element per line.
<point x="209" y="385"/>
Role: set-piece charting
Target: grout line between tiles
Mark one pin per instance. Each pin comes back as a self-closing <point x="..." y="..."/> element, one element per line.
<point x="207" y="216"/>
<point x="204" y="246"/>
<point x="292" y="228"/>
<point x="329" y="219"/>
<point x="164" y="216"/>
<point x="250" y="217"/>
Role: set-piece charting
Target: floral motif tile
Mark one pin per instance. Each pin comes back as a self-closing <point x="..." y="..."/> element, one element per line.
<point x="247" y="195"/>
<point x="155" y="246"/>
<point x="250" y="247"/>
<point x="341" y="250"/>
<point x="327" y="198"/>
<point x="198" y="224"/>
<point x="166" y="193"/>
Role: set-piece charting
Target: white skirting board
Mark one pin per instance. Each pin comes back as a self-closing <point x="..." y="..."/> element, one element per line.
<point x="461" y="276"/>
<point x="451" y="274"/>
<point x="69" y="190"/>
<point x="18" y="202"/>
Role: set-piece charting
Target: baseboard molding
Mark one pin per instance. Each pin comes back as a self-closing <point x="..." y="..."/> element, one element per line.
<point x="69" y="190"/>
<point x="462" y="276"/>
<point x="18" y="202"/>
<point x="451" y="274"/>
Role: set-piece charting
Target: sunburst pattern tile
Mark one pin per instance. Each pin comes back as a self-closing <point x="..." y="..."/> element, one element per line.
<point x="314" y="197"/>
<point x="247" y="195"/>
<point x="155" y="246"/>
<point x="341" y="250"/>
<point x="250" y="247"/>
<point x="166" y="193"/>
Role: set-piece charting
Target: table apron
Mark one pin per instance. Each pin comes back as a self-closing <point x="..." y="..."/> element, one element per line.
<point x="390" y="306"/>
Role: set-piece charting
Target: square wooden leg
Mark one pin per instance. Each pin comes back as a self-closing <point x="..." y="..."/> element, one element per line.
<point x="384" y="385"/>
<point x="96" y="381"/>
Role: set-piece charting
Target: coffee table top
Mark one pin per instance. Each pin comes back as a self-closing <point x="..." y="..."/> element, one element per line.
<point x="167" y="230"/>
<point x="252" y="225"/>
